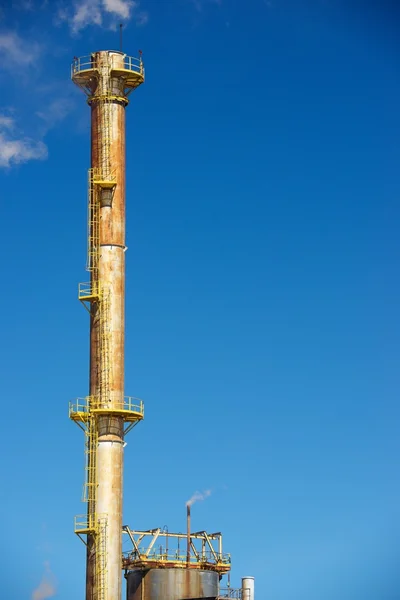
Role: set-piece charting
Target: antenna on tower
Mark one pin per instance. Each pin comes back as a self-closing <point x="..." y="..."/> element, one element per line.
<point x="120" y="37"/>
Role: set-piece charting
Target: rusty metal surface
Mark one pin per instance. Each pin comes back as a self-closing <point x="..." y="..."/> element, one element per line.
<point x="188" y="534"/>
<point x="171" y="584"/>
<point x="221" y="569"/>
<point x="112" y="277"/>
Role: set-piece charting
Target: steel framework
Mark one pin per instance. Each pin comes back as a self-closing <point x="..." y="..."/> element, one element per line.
<point x="157" y="548"/>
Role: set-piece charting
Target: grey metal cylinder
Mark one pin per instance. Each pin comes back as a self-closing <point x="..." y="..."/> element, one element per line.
<point x="247" y="588"/>
<point x="171" y="584"/>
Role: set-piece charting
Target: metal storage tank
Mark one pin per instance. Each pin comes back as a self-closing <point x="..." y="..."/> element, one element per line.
<point x="171" y="584"/>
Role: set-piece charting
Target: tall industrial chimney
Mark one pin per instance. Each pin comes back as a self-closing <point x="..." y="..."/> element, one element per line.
<point x="106" y="415"/>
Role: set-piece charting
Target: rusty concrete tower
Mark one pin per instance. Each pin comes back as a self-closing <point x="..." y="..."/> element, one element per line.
<point x="105" y="414"/>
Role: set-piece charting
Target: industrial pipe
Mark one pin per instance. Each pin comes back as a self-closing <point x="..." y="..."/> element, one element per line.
<point x="247" y="588"/>
<point x="188" y="534"/>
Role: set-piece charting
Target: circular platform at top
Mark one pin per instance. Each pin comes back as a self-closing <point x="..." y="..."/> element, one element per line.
<point x="87" y="69"/>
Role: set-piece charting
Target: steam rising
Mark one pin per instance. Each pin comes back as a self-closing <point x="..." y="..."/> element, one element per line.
<point x="197" y="496"/>
<point x="47" y="587"/>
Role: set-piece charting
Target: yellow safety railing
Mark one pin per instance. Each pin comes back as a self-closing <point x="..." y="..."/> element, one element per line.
<point x="83" y="63"/>
<point x="128" y="63"/>
<point x="84" y="523"/>
<point x="176" y="556"/>
<point x="132" y="404"/>
<point x="88" y="289"/>
<point x="81" y="523"/>
<point x="87" y="405"/>
<point x="81" y="405"/>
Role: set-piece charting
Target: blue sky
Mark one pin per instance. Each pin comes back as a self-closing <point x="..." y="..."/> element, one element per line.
<point x="262" y="289"/>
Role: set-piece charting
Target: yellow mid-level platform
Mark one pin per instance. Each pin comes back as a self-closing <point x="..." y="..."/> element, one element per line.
<point x="131" y="409"/>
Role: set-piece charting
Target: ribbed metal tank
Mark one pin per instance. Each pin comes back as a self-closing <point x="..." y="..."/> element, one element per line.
<point x="171" y="584"/>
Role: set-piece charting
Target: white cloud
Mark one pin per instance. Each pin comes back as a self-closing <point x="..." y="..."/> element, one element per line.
<point x="16" y="149"/>
<point x="102" y="13"/>
<point x="120" y="8"/>
<point x="20" y="59"/>
<point x="16" y="146"/>
<point x="6" y="122"/>
<point x="16" y="51"/>
<point x="55" y="112"/>
<point x="87" y="13"/>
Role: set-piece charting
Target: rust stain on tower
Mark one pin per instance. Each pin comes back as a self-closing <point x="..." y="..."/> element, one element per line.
<point x="105" y="415"/>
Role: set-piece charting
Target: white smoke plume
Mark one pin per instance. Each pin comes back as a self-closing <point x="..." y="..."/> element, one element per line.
<point x="197" y="496"/>
<point x="47" y="587"/>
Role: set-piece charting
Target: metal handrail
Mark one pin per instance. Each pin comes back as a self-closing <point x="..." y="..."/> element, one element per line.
<point x="130" y="63"/>
<point x="88" y="63"/>
<point x="130" y="404"/>
<point x="83" y="63"/>
<point x="176" y="556"/>
<point x="88" y="288"/>
<point x="83" y="522"/>
<point x="235" y="593"/>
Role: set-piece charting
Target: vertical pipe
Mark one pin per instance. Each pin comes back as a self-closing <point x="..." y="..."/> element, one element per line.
<point x="247" y="588"/>
<point x="106" y="81"/>
<point x="111" y="273"/>
<point x="188" y="535"/>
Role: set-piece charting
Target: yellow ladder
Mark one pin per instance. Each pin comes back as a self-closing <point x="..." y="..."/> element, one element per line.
<point x="93" y="223"/>
<point x="104" y="132"/>
<point x="103" y="347"/>
<point x="105" y="137"/>
<point x="96" y="525"/>
<point x="90" y="485"/>
<point x="101" y="559"/>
